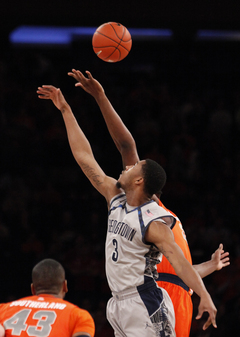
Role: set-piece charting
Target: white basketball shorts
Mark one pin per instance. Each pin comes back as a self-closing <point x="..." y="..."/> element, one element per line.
<point x="143" y="311"/>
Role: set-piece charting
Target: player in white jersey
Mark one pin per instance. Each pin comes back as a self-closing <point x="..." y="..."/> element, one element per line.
<point x="133" y="262"/>
<point x="136" y="237"/>
<point x="126" y="246"/>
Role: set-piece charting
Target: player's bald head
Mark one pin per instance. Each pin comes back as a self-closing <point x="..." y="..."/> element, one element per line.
<point x="48" y="277"/>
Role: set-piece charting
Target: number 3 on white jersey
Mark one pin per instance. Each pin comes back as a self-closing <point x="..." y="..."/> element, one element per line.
<point x="115" y="253"/>
<point x="17" y="323"/>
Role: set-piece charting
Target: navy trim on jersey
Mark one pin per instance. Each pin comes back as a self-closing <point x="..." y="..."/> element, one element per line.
<point x="150" y="294"/>
<point x="174" y="223"/>
<point x="138" y="207"/>
<point x="118" y="196"/>
<point x="171" y="278"/>
<point x="131" y="210"/>
<point x="115" y="207"/>
<point x="148" y="283"/>
<point x="144" y="228"/>
<point x="141" y="222"/>
<point x="139" y="210"/>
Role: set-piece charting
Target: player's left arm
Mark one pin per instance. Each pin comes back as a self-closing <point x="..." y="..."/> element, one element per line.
<point x="219" y="260"/>
<point x="79" y="144"/>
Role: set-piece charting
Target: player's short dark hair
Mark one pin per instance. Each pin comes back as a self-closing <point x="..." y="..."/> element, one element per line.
<point x="48" y="277"/>
<point x="154" y="177"/>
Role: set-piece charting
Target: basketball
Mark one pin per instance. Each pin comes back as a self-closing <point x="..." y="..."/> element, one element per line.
<point x="111" y="42"/>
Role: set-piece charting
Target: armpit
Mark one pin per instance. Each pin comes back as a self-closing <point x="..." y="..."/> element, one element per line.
<point x="168" y="220"/>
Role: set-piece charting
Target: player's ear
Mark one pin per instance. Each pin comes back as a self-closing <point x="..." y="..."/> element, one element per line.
<point x="65" y="288"/>
<point x="33" y="289"/>
<point x="139" y="180"/>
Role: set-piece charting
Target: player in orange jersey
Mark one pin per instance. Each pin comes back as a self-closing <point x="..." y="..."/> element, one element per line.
<point x="178" y="291"/>
<point x="46" y="313"/>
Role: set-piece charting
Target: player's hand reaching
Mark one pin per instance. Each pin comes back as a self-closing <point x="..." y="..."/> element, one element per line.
<point x="89" y="84"/>
<point x="220" y="258"/>
<point x="206" y="305"/>
<point x="53" y="93"/>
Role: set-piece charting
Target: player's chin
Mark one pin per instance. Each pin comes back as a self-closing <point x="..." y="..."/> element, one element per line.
<point x="118" y="184"/>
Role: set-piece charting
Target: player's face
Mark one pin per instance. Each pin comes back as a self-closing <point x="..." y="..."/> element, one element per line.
<point x="130" y="173"/>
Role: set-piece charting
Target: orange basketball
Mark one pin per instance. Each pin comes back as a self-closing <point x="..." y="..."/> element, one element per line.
<point x="112" y="42"/>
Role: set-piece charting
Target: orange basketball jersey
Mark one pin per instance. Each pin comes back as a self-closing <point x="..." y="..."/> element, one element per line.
<point x="181" y="240"/>
<point x="178" y="291"/>
<point x="43" y="316"/>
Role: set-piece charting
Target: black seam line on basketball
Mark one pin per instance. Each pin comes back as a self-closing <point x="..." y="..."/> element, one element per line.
<point x="112" y="40"/>
<point x="113" y="53"/>
<point x="116" y="32"/>
<point x="124" y="29"/>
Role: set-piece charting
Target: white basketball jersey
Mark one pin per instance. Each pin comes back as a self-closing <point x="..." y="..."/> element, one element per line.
<point x="129" y="259"/>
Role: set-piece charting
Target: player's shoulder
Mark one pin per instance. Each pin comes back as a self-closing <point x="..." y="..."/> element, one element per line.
<point x="118" y="199"/>
<point x="78" y="313"/>
<point x="16" y="300"/>
<point x="6" y="305"/>
<point x="168" y="210"/>
<point x="2" y="305"/>
<point x="158" y="209"/>
<point x="69" y="304"/>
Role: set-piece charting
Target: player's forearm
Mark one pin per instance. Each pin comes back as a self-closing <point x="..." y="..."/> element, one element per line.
<point x="183" y="268"/>
<point x="78" y="142"/>
<point x="190" y="277"/>
<point x="117" y="129"/>
<point x="120" y="134"/>
<point x="206" y="268"/>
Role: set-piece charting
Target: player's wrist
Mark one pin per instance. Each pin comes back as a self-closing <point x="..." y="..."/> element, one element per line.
<point x="65" y="108"/>
<point x="100" y="97"/>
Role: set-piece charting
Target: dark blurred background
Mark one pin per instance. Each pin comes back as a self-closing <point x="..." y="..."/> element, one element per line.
<point x="180" y="97"/>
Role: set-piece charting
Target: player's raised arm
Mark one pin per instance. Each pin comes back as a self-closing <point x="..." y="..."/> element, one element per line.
<point x="79" y="144"/>
<point x="162" y="237"/>
<point x="121" y="136"/>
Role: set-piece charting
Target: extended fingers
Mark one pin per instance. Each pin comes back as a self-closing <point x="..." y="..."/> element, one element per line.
<point x="223" y="255"/>
<point x="77" y="75"/>
<point x="210" y="320"/>
<point x="46" y="91"/>
<point x="225" y="261"/>
<point x="89" y="75"/>
<point x="47" y="88"/>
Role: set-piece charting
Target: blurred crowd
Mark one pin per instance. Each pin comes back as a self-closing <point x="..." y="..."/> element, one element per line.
<point x="186" y="116"/>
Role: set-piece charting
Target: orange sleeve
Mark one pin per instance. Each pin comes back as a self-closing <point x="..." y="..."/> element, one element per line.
<point x="81" y="321"/>
<point x="1" y="315"/>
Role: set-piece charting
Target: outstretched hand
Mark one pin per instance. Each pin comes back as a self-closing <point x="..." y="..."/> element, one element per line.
<point x="53" y="93"/>
<point x="220" y="258"/>
<point x="89" y="84"/>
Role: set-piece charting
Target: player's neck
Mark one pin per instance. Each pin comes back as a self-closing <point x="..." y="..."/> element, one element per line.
<point x="49" y="294"/>
<point x="136" y="199"/>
